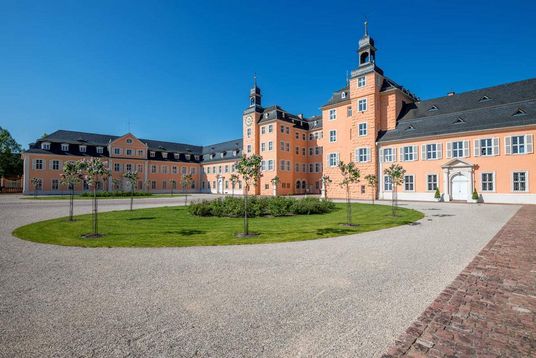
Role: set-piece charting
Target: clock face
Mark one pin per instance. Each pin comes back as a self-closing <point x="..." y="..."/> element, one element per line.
<point x="248" y="121"/>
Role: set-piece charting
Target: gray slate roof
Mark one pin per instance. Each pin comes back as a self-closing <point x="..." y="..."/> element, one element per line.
<point x="337" y="96"/>
<point x="508" y="105"/>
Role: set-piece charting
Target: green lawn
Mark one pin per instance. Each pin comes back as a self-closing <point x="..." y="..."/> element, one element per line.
<point x="174" y="226"/>
<point x="78" y="197"/>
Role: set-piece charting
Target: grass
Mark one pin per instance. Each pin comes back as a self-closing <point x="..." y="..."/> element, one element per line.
<point x="174" y="226"/>
<point x="78" y="197"/>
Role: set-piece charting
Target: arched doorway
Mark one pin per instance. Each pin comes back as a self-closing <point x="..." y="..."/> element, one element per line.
<point x="460" y="187"/>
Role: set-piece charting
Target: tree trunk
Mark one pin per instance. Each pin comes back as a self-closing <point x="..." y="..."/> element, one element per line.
<point x="131" y="199"/>
<point x="71" y="203"/>
<point x="348" y="206"/>
<point x="246" y="226"/>
<point x="394" y="203"/>
<point x="95" y="224"/>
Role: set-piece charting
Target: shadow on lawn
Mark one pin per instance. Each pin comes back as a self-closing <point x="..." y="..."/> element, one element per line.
<point x="186" y="232"/>
<point x="333" y="230"/>
<point x="143" y="218"/>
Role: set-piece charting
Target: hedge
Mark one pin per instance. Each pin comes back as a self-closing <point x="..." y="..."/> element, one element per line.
<point x="105" y="194"/>
<point x="261" y="206"/>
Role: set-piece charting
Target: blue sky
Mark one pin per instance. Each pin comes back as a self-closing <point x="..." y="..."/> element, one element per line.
<point x="181" y="70"/>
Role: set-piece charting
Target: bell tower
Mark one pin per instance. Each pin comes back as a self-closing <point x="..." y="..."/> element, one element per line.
<point x="366" y="50"/>
<point x="255" y="94"/>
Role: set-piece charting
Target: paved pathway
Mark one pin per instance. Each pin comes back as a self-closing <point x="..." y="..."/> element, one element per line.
<point x="346" y="297"/>
<point x="490" y="308"/>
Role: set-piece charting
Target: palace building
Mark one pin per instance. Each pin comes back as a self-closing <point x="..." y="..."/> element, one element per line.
<point x="478" y="140"/>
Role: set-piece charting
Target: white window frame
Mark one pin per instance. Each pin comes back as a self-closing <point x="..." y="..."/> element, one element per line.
<point x="45" y="145"/>
<point x="362" y="155"/>
<point x="270" y="145"/>
<point x="361" y="81"/>
<point x="412" y="182"/>
<point x="100" y="150"/>
<point x="362" y="105"/>
<point x="392" y="154"/>
<point x="65" y="147"/>
<point x="526" y="172"/>
<point x="263" y="147"/>
<point x="332" y="114"/>
<point x="528" y="144"/>
<point x="333" y="159"/>
<point x="409" y="156"/>
<point x="431" y="151"/>
<point x="428" y="182"/>
<point x="362" y="129"/>
<point x="493" y="184"/>
<point x="333" y="136"/>
<point x="464" y="149"/>
<point x="82" y="148"/>
<point x="387" y="183"/>
<point x="53" y="164"/>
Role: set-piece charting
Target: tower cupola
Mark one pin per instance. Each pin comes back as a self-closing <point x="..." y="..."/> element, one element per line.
<point x="366" y="50"/>
<point x="255" y="94"/>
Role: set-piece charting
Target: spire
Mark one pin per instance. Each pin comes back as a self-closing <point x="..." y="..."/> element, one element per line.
<point x="255" y="93"/>
<point x="366" y="27"/>
<point x="255" y="80"/>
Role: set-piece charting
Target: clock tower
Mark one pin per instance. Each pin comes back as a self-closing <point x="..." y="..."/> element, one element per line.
<point x="250" y="124"/>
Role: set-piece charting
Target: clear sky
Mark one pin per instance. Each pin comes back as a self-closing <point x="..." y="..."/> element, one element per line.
<point x="181" y="70"/>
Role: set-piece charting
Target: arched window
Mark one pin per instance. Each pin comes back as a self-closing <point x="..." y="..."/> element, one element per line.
<point x="364" y="58"/>
<point x="298" y="184"/>
<point x="303" y="185"/>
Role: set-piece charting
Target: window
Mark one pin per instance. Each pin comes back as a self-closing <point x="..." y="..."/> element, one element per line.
<point x="129" y="152"/>
<point x="343" y="95"/>
<point x="248" y="131"/>
<point x="387" y="183"/>
<point x="152" y="154"/>
<point x="263" y="147"/>
<point x="362" y="155"/>
<point x="282" y="165"/>
<point x="282" y="145"/>
<point x="297" y="135"/>
<point x="45" y="146"/>
<point x="362" y="129"/>
<point x="333" y="159"/>
<point x="362" y="105"/>
<point x="288" y="147"/>
<point x="317" y="167"/>
<point x="303" y="151"/>
<point x="192" y="170"/>
<point x="270" y="164"/>
<point x="431" y="182"/>
<point x="361" y="81"/>
<point x="488" y="182"/>
<point x="409" y="153"/>
<point x="82" y="148"/>
<point x="153" y="184"/>
<point x="486" y="147"/>
<point x="129" y="141"/>
<point x="117" y="167"/>
<point x="183" y="170"/>
<point x="117" y="151"/>
<point x="129" y="168"/>
<point x="140" y="153"/>
<point x="287" y="130"/>
<point x="332" y="136"/>
<point x="100" y="150"/>
<point x="140" y="168"/>
<point x="282" y="129"/>
<point x="249" y="148"/>
<point x="65" y="147"/>
<point x="263" y="129"/>
<point x="432" y="151"/>
<point x="55" y="165"/>
<point x="288" y="165"/>
<point x="297" y="150"/>
<point x="304" y="137"/>
<point x="332" y="114"/>
<point x="459" y="149"/>
<point x="270" y="128"/>
<point x="39" y="164"/>
<point x="225" y="169"/>
<point x="409" y="183"/>
<point x="518" y="144"/>
<point x="270" y="145"/>
<point x="153" y="169"/>
<point x="388" y="154"/>
<point x="263" y="165"/>
<point x="349" y="111"/>
<point x="519" y="181"/>
<point x="55" y="184"/>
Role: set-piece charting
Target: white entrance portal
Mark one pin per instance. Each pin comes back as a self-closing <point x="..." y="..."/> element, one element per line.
<point x="220" y="185"/>
<point x="460" y="187"/>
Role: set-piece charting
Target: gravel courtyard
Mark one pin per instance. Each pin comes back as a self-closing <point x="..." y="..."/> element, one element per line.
<point x="347" y="297"/>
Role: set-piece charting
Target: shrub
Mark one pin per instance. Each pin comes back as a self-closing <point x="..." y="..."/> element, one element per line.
<point x="437" y="194"/>
<point x="107" y="194"/>
<point x="260" y="206"/>
<point x="475" y="195"/>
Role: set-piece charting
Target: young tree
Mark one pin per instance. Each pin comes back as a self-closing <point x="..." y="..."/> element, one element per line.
<point x="250" y="170"/>
<point x="116" y="184"/>
<point x="173" y="185"/>
<point x="186" y="182"/>
<point x="132" y="178"/>
<point x="275" y="182"/>
<point x="350" y="175"/>
<point x="234" y="179"/>
<point x="70" y="177"/>
<point x="36" y="182"/>
<point x="396" y="174"/>
<point x="372" y="182"/>
<point x="94" y="170"/>
<point x="326" y="181"/>
<point x="10" y="159"/>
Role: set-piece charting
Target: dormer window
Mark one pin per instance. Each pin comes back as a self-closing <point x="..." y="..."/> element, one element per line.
<point x="129" y="141"/>
<point x="410" y="128"/>
<point x="45" y="146"/>
<point x="433" y="108"/>
<point x="212" y="156"/>
<point x="519" y="112"/>
<point x="65" y="147"/>
<point x="235" y="153"/>
<point x="343" y="95"/>
<point x="484" y="99"/>
<point x="176" y="155"/>
<point x="188" y="156"/>
<point x="459" y="120"/>
<point x="164" y="155"/>
<point x="196" y="157"/>
<point x="82" y="148"/>
<point x="266" y="115"/>
<point x="100" y="150"/>
<point x="222" y="154"/>
<point x="152" y="154"/>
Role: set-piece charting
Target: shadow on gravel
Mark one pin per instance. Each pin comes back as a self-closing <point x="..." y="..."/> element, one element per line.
<point x="442" y="215"/>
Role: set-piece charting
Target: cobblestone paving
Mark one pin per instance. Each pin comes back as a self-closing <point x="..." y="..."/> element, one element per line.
<point x="490" y="308"/>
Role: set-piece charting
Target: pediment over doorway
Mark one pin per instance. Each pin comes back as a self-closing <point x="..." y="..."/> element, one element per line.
<point x="456" y="163"/>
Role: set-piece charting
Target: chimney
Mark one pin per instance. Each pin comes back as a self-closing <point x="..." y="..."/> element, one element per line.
<point x="452" y="93"/>
<point x="300" y="115"/>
